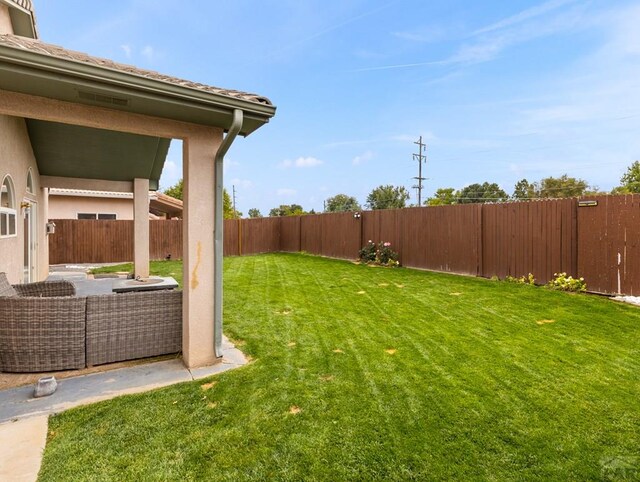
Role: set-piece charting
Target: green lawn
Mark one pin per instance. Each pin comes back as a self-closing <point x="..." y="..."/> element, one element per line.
<point x="363" y="373"/>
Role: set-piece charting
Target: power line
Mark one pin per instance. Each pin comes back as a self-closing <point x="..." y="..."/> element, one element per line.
<point x="420" y="158"/>
<point x="235" y="213"/>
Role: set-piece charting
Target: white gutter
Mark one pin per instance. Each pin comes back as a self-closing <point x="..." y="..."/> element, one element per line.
<point x="236" y="125"/>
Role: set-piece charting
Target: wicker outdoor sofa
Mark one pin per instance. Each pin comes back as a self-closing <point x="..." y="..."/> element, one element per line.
<point x="45" y="327"/>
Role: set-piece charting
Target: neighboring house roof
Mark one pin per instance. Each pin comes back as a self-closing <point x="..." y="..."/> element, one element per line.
<point x="159" y="203"/>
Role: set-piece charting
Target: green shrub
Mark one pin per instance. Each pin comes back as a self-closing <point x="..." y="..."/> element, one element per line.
<point x="523" y="280"/>
<point x="563" y="282"/>
<point x="379" y="254"/>
<point x="368" y="253"/>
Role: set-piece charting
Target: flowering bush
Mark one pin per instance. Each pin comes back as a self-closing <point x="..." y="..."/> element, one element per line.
<point x="368" y="253"/>
<point x="563" y="282"/>
<point x="523" y="280"/>
<point x="380" y="254"/>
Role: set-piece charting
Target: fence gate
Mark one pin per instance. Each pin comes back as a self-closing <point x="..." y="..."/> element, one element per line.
<point x="609" y="243"/>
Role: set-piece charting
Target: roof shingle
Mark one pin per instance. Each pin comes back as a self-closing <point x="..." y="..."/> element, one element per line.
<point x="55" y="51"/>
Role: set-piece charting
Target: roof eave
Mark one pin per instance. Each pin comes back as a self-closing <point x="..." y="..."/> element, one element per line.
<point x="106" y="78"/>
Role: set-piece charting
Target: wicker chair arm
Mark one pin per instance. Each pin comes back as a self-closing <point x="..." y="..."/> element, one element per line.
<point x="46" y="289"/>
<point x="42" y="334"/>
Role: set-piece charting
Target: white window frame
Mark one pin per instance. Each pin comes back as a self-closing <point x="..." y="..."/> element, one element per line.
<point x="9" y="213"/>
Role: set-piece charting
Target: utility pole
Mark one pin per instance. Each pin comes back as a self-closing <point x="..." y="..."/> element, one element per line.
<point x="420" y="157"/>
<point x="235" y="213"/>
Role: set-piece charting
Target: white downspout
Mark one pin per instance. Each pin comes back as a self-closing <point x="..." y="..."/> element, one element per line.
<point x="236" y="125"/>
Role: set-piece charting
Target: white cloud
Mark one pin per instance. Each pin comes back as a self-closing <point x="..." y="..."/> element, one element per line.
<point x="429" y="34"/>
<point x="127" y="50"/>
<point x="149" y="53"/>
<point x="519" y="29"/>
<point x="286" y="192"/>
<point x="301" y="162"/>
<point x="524" y="15"/>
<point x="364" y="157"/>
<point x="491" y="40"/>
<point x="414" y="37"/>
<point x="229" y="165"/>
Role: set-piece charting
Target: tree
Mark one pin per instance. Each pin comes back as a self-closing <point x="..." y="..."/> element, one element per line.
<point x="175" y="191"/>
<point x="387" y="197"/>
<point x="255" y="213"/>
<point x="553" y="187"/>
<point x="287" y="210"/>
<point x="524" y="190"/>
<point x="620" y="190"/>
<point x="562" y="187"/>
<point x="441" y="197"/>
<point x="481" y="193"/>
<point x="227" y="207"/>
<point x="341" y="202"/>
<point x="630" y="180"/>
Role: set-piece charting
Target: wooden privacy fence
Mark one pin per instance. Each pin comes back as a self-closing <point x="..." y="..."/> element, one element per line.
<point x="596" y="237"/>
<point x="108" y="241"/>
<point x="481" y="240"/>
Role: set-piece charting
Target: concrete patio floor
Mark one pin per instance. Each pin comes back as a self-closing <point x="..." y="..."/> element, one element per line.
<point x="23" y="419"/>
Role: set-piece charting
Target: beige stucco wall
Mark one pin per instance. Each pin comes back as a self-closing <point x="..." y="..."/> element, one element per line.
<point x="16" y="158"/>
<point x="68" y="207"/>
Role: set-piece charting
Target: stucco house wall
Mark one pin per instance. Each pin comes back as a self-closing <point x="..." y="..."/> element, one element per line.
<point x="16" y="159"/>
<point x="68" y="207"/>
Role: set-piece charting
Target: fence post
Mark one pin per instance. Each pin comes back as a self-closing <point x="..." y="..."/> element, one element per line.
<point x="239" y="237"/>
<point x="480" y="229"/>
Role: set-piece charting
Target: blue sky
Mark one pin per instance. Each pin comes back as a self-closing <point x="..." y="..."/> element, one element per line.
<point x="499" y="90"/>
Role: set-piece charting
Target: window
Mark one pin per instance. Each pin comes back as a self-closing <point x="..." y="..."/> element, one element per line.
<point x="30" y="182"/>
<point x="7" y="209"/>
<point x="96" y="216"/>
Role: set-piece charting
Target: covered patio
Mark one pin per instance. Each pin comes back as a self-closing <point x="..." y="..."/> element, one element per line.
<point x="98" y="125"/>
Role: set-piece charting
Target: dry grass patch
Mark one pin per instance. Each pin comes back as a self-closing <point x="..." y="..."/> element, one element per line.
<point x="545" y="322"/>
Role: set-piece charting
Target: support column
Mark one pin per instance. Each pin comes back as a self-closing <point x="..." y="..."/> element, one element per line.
<point x="141" y="227"/>
<point x="198" y="244"/>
